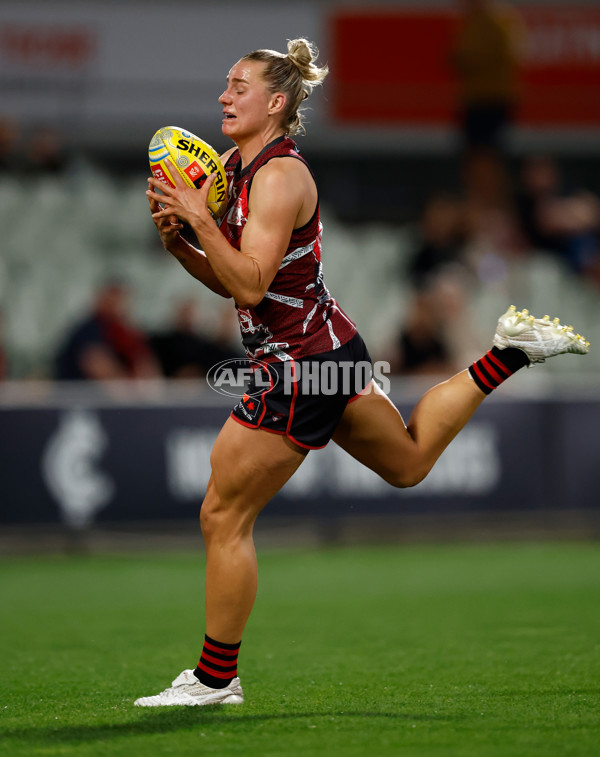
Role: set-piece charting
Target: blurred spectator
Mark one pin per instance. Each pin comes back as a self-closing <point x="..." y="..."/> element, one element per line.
<point x="45" y="151"/>
<point x="9" y="137"/>
<point x="422" y="345"/>
<point x="559" y="219"/>
<point x="485" y="57"/>
<point x="441" y="231"/>
<point x="3" y="356"/>
<point x="105" y="345"/>
<point x="485" y="180"/>
<point x="183" y="351"/>
<point x="492" y="234"/>
<point x="439" y="334"/>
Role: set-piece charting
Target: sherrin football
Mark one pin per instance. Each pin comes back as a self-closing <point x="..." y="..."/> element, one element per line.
<point x="194" y="159"/>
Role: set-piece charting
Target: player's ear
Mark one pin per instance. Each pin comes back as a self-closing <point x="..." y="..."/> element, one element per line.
<point x="277" y="103"/>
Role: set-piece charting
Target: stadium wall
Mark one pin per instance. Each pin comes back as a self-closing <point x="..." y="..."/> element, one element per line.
<point x="90" y="463"/>
<point x="88" y="68"/>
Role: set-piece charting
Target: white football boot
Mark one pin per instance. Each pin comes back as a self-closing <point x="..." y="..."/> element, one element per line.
<point x="539" y="338"/>
<point x="187" y="690"/>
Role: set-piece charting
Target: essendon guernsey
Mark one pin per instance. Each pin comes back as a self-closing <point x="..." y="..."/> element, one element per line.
<point x="297" y="316"/>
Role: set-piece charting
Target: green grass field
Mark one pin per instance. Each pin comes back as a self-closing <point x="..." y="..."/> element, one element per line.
<point x="481" y="650"/>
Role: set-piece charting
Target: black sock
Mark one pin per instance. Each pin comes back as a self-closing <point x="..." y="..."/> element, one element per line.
<point x="217" y="666"/>
<point x="496" y="366"/>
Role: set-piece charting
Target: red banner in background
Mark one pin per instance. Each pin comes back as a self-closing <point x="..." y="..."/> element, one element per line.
<point x="561" y="77"/>
<point x="393" y="67"/>
<point x="56" y="48"/>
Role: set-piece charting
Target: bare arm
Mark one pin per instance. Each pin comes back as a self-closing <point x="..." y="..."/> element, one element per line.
<point x="193" y="260"/>
<point x="283" y="197"/>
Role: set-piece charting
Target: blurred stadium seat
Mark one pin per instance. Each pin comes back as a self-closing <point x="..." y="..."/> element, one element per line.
<point x="61" y="236"/>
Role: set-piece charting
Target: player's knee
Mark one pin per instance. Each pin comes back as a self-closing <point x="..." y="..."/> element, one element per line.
<point x="404" y="478"/>
<point x="212" y="520"/>
<point x="221" y="521"/>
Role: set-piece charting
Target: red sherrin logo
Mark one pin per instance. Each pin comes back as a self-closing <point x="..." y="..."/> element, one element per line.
<point x="194" y="171"/>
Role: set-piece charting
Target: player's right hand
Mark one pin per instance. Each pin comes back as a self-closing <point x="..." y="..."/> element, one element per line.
<point x="168" y="226"/>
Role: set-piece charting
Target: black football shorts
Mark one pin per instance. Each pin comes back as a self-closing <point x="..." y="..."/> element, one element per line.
<point x="304" y="399"/>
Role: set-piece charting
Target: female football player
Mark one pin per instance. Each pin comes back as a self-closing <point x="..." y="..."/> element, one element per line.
<point x="266" y="256"/>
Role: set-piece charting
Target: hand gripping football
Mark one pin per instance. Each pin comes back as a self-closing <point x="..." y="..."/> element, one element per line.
<point x="194" y="160"/>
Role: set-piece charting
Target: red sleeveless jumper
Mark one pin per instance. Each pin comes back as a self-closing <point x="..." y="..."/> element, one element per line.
<point x="297" y="316"/>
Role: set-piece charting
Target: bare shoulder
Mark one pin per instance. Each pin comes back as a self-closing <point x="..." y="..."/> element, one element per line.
<point x="284" y="173"/>
<point x="226" y="155"/>
<point x="286" y="183"/>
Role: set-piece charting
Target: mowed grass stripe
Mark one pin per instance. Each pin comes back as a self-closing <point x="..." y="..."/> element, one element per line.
<point x="437" y="650"/>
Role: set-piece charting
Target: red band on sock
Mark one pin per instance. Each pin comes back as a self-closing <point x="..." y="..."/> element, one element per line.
<point x="487" y="365"/>
<point x="216" y="673"/>
<point x="221" y="650"/>
<point x="218" y="660"/>
<point x="500" y="365"/>
<point x="481" y="377"/>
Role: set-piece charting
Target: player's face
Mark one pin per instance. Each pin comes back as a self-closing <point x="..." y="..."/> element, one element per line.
<point x="246" y="101"/>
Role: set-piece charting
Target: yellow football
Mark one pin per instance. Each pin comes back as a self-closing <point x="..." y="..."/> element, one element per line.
<point x="194" y="160"/>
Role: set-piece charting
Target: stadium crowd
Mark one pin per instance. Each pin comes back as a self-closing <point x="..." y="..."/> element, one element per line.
<point x="464" y="248"/>
<point x="86" y="290"/>
<point x="502" y="218"/>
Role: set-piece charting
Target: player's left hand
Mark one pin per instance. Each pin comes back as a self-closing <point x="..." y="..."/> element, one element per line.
<point x="189" y="205"/>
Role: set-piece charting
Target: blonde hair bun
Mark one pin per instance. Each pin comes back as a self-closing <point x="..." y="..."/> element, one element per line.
<point x="303" y="54"/>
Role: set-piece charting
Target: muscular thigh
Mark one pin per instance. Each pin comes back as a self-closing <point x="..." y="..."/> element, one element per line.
<point x="373" y="431"/>
<point x="249" y="466"/>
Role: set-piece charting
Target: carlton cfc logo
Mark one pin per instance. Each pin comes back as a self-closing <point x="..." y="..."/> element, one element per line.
<point x="241" y="377"/>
